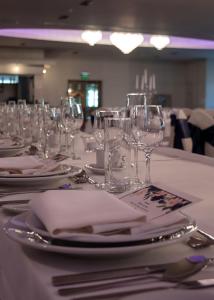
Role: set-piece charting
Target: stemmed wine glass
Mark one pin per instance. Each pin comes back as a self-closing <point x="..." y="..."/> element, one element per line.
<point x="78" y="118"/>
<point x="147" y="131"/>
<point x="133" y="99"/>
<point x="72" y="120"/>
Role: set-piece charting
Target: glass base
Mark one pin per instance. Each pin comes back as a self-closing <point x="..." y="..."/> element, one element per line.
<point x="136" y="184"/>
<point x="117" y="187"/>
<point x="75" y="156"/>
<point x="100" y="186"/>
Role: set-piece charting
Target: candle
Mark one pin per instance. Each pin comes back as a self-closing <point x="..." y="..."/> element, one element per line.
<point x="137" y="82"/>
<point x="150" y="83"/>
<point x="142" y="83"/>
<point x="145" y="77"/>
<point x="154" y="82"/>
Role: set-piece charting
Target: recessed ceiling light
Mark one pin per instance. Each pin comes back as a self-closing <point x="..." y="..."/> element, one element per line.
<point x="63" y="17"/>
<point x="86" y="2"/>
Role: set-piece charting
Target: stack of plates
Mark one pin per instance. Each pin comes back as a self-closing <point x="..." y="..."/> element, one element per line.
<point x="28" y="230"/>
<point x="8" y="147"/>
<point x="61" y="172"/>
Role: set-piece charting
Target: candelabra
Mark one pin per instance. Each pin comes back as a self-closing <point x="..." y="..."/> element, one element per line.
<point x="146" y="84"/>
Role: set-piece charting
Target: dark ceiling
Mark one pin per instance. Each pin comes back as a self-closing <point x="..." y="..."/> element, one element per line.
<point x="191" y="18"/>
<point x="187" y="18"/>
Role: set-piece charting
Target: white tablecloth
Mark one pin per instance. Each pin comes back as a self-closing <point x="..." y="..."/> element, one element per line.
<point x="26" y="273"/>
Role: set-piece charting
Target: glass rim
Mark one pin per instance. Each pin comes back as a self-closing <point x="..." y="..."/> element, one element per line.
<point x="135" y="94"/>
<point x="148" y="105"/>
<point x="117" y="118"/>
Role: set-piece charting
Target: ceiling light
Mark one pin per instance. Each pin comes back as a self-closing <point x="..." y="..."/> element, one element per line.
<point x="126" y="42"/>
<point x="44" y="71"/>
<point x="91" y="37"/>
<point x="160" y="41"/>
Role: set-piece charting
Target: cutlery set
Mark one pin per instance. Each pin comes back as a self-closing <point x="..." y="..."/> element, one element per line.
<point x="133" y="280"/>
<point x="137" y="288"/>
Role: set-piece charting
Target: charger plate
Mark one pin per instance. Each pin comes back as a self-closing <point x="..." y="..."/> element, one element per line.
<point x="17" y="229"/>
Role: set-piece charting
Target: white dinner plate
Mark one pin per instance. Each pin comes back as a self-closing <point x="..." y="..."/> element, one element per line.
<point x="54" y="169"/>
<point x="94" y="169"/>
<point x="11" y="151"/>
<point x="15" y="208"/>
<point x="67" y="171"/>
<point x="17" y="230"/>
<point x="99" y="171"/>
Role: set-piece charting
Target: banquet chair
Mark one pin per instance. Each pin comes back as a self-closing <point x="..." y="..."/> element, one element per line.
<point x="202" y="131"/>
<point x="180" y="131"/>
<point x="187" y="111"/>
<point x="210" y="112"/>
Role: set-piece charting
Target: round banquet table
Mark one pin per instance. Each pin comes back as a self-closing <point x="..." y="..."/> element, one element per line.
<point x="26" y="273"/>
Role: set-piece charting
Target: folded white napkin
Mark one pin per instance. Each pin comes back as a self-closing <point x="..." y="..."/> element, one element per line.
<point x="64" y="212"/>
<point x="20" y="162"/>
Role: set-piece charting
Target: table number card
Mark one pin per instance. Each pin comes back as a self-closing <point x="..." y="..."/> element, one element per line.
<point x="156" y="201"/>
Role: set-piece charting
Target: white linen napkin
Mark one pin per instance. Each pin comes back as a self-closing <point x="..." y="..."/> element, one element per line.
<point x="64" y="212"/>
<point x="20" y="163"/>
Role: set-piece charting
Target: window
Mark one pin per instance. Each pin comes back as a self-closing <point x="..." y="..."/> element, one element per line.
<point x="86" y="91"/>
<point x="9" y="79"/>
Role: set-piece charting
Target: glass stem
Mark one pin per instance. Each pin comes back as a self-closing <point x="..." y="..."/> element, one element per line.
<point x="66" y="142"/>
<point x="147" y="180"/>
<point x="73" y="148"/>
<point x="136" y="163"/>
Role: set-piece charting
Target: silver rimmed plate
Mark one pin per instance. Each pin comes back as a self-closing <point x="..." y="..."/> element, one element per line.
<point x="10" y="151"/>
<point x="17" y="229"/>
<point x="55" y="169"/>
<point x="52" y="176"/>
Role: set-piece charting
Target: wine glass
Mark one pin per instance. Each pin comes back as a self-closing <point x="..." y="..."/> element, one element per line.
<point x="66" y="121"/>
<point x="72" y="120"/>
<point x="78" y="118"/>
<point x="147" y="131"/>
<point x="133" y="99"/>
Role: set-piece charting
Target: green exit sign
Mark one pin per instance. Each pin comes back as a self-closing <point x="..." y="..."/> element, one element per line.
<point x="84" y="76"/>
